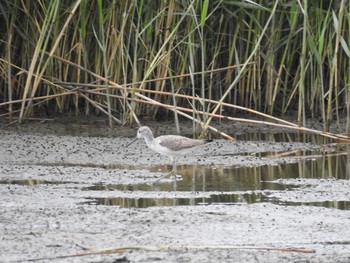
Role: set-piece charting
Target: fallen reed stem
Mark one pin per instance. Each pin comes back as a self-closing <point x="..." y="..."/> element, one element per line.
<point x="180" y="110"/>
<point x="95" y="251"/>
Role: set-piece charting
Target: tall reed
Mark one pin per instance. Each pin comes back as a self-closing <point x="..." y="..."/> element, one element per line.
<point x="291" y="57"/>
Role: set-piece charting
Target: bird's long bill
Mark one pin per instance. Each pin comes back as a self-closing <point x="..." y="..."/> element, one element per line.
<point x="134" y="140"/>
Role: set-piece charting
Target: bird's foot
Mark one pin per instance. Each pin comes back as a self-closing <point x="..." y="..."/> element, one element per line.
<point x="174" y="175"/>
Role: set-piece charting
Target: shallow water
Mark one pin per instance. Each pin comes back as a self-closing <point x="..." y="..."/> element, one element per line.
<point x="230" y="185"/>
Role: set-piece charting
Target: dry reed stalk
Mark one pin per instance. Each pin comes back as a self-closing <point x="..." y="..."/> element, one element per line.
<point x="42" y="42"/>
<point x="303" y="129"/>
<point x="245" y="65"/>
<point x="98" y="251"/>
<point x="172" y="108"/>
<point x="125" y="88"/>
<point x="99" y="107"/>
<point x="230" y="33"/>
<point x="9" y="69"/>
<point x="193" y="98"/>
<point x="292" y="126"/>
<point x="180" y="110"/>
<point x="286" y="125"/>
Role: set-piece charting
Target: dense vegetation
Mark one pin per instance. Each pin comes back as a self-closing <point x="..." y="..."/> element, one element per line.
<point x="277" y="57"/>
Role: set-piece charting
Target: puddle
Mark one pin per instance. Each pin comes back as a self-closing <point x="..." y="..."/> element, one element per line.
<point x="204" y="179"/>
<point x="224" y="199"/>
<point x="284" y="137"/>
<point x="211" y="185"/>
<point x="32" y="182"/>
<point x="230" y="186"/>
<point x="227" y="199"/>
<point x="343" y="205"/>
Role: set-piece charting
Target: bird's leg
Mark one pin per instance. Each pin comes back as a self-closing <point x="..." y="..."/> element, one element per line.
<point x="174" y="170"/>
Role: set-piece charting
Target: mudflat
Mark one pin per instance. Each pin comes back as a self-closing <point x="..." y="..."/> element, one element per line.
<point x="66" y="187"/>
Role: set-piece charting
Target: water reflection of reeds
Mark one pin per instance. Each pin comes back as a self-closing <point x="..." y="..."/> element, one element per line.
<point x="233" y="185"/>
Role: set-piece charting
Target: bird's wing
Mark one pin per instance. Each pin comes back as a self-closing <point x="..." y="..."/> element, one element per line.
<point x="177" y="143"/>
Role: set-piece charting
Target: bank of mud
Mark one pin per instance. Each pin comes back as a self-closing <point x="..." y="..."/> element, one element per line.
<point x="48" y="206"/>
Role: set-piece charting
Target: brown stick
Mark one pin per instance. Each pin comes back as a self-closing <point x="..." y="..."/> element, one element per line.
<point x="169" y="248"/>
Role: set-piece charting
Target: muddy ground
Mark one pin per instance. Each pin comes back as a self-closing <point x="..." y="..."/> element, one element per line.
<point x="48" y="210"/>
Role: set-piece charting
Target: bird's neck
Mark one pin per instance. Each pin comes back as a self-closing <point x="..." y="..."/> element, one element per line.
<point x="149" y="141"/>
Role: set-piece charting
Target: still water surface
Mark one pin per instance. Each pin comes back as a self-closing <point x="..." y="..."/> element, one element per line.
<point x="232" y="186"/>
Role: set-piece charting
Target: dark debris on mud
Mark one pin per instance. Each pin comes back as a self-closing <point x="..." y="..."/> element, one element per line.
<point x="46" y="169"/>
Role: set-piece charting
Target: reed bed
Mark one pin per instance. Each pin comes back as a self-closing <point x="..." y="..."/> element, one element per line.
<point x="199" y="59"/>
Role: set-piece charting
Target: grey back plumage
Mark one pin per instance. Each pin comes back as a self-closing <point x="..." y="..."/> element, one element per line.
<point x="177" y="143"/>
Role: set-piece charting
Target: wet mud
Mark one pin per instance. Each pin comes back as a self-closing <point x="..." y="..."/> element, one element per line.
<point x="64" y="187"/>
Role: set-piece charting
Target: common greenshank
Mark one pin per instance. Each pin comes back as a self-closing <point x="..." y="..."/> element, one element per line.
<point x="172" y="146"/>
